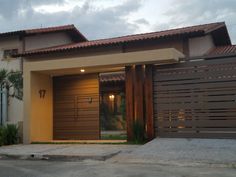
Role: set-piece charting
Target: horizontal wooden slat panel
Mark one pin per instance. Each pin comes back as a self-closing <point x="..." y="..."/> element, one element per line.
<point x="77" y="124"/>
<point x="196" y="99"/>
<point x="198" y="123"/>
<point x="198" y="135"/>
<point x="76" y="107"/>
<point x="194" y="129"/>
<point x="220" y="105"/>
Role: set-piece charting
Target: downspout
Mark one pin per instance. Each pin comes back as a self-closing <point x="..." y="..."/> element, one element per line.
<point x="5" y="100"/>
<point x="4" y="105"/>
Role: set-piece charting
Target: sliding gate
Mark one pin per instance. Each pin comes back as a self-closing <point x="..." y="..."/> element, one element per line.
<point x="196" y="99"/>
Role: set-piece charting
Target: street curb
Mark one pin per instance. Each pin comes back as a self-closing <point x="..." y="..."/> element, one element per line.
<point x="49" y="157"/>
<point x="180" y="163"/>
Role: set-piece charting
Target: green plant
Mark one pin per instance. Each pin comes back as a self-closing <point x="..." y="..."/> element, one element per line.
<point x="123" y="109"/>
<point x="10" y="134"/>
<point x="122" y="105"/>
<point x="1" y="139"/>
<point x="108" y="118"/>
<point x="12" y="79"/>
<point x="113" y="137"/>
<point x="138" y="132"/>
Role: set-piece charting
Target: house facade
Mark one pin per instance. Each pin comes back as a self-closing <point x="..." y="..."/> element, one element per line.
<point x="178" y="83"/>
<point x="18" y="42"/>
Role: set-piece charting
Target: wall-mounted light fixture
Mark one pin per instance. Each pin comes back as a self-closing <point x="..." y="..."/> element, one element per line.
<point x="90" y="100"/>
<point x="42" y="93"/>
<point x="111" y="97"/>
<point x="82" y="70"/>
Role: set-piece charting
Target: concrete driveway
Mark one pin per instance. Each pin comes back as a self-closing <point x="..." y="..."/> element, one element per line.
<point x="160" y="151"/>
<point x="161" y="157"/>
<point x="183" y="152"/>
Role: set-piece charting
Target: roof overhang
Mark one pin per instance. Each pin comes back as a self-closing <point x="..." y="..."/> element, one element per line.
<point x="221" y="36"/>
<point x="95" y="63"/>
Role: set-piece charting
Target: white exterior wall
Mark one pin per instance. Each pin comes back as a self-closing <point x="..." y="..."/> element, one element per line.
<point x="46" y="40"/>
<point x="200" y="45"/>
<point x="10" y="43"/>
<point x="15" y="106"/>
<point x="15" y="110"/>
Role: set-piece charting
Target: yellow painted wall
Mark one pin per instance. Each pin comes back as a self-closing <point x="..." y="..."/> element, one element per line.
<point x="41" y="126"/>
<point x="38" y="112"/>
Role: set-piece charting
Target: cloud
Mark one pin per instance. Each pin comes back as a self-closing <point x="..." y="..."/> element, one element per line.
<point x="109" y="18"/>
<point x="93" y="22"/>
<point x="10" y="8"/>
<point x="192" y="12"/>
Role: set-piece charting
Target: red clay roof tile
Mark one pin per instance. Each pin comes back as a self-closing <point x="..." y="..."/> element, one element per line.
<point x="228" y="50"/>
<point x="190" y="31"/>
<point x="45" y="30"/>
<point x="114" y="77"/>
<point x="49" y="29"/>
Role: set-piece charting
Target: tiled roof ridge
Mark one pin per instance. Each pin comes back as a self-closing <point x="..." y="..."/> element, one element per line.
<point x="197" y="29"/>
<point x="41" y="28"/>
<point x="154" y="32"/>
<point x="45" y="30"/>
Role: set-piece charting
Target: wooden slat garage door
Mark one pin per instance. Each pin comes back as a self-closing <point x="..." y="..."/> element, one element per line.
<point x="76" y="107"/>
<point x="196" y="99"/>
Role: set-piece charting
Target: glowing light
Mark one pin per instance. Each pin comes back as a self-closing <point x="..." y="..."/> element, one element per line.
<point x="82" y="70"/>
<point x="111" y="97"/>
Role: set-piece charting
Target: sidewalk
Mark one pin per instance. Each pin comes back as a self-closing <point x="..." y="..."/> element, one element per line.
<point x="181" y="152"/>
<point x="66" y="152"/>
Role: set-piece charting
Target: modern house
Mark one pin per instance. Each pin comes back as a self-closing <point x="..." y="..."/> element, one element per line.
<point x="24" y="40"/>
<point x="177" y="83"/>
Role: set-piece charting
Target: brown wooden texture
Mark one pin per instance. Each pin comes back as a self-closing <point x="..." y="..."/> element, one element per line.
<point x="148" y="88"/>
<point x="129" y="95"/>
<point x="196" y="99"/>
<point x="138" y="94"/>
<point x="76" y="107"/>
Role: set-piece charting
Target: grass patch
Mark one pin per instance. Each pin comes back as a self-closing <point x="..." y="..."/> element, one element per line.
<point x="113" y="137"/>
<point x="112" y="143"/>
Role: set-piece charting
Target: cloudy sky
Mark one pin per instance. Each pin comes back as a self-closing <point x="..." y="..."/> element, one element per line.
<point x="110" y="18"/>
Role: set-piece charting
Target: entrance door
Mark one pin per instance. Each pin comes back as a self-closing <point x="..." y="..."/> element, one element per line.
<point x="76" y="107"/>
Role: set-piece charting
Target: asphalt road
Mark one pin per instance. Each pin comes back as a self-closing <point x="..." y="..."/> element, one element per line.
<point x="26" y="168"/>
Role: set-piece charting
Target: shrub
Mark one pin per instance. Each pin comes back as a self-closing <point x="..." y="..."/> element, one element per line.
<point x="10" y="134"/>
<point x="1" y="139"/>
<point x="138" y="132"/>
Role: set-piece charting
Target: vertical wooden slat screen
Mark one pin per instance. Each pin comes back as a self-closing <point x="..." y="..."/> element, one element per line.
<point x="129" y="97"/>
<point x="148" y="89"/>
<point x="196" y="99"/>
<point x="76" y="107"/>
<point x="139" y="94"/>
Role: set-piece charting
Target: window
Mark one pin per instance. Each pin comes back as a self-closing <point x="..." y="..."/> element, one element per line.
<point x="9" y="52"/>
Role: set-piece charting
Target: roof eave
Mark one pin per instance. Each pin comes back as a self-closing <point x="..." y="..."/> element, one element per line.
<point x="219" y="56"/>
<point x="220" y="35"/>
<point x="192" y="34"/>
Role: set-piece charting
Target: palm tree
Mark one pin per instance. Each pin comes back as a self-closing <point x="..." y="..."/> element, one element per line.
<point x="11" y="80"/>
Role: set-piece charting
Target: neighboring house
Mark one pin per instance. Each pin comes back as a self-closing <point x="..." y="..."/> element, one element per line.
<point x="175" y="83"/>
